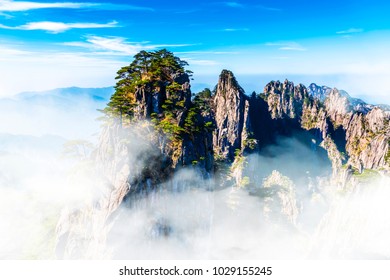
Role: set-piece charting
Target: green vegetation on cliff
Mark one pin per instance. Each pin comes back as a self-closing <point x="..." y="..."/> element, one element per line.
<point x="156" y="87"/>
<point x="150" y="71"/>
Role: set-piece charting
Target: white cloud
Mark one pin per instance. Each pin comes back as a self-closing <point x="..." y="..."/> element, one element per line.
<point x="200" y="62"/>
<point x="7" y="16"/>
<point x="350" y="31"/>
<point x="46" y="69"/>
<point x="93" y="65"/>
<point x="268" y="8"/>
<point x="58" y="27"/>
<point x="235" y="29"/>
<point x="292" y="48"/>
<point x="249" y="6"/>
<point x="287" y="46"/>
<point x="234" y="4"/>
<point x="114" y="44"/>
<point x="17" y="6"/>
<point x="9" y="51"/>
<point x="118" y="45"/>
<point x="207" y="52"/>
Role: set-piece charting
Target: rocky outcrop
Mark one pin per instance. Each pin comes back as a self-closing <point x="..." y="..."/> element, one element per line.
<point x="284" y="99"/>
<point x="231" y="116"/>
<point x="368" y="137"/>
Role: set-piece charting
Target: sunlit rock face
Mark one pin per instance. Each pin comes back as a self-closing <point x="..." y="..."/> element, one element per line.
<point x="231" y="116"/>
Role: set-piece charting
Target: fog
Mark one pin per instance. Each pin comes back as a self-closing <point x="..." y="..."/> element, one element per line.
<point x="280" y="204"/>
<point x="236" y="223"/>
<point x="37" y="175"/>
<point x="70" y="113"/>
<point x="289" y="208"/>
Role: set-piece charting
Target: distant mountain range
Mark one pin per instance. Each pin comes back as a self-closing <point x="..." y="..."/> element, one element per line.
<point x="67" y="94"/>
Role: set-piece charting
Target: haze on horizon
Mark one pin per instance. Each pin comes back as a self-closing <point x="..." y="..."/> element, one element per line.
<point x="47" y="44"/>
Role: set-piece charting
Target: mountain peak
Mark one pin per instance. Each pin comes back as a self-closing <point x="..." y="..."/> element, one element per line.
<point x="227" y="80"/>
<point x="231" y="115"/>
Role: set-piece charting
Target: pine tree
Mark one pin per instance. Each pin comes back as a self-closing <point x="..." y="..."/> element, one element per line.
<point x="156" y="69"/>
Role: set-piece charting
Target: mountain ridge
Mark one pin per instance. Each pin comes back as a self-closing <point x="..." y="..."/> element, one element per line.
<point x="159" y="138"/>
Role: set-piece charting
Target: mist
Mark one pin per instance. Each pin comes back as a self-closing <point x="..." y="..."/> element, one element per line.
<point x="280" y="204"/>
<point x="41" y="169"/>
<point x="288" y="208"/>
<point x="69" y="113"/>
<point x="238" y="223"/>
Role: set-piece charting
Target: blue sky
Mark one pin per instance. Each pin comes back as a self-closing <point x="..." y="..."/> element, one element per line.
<point x="46" y="44"/>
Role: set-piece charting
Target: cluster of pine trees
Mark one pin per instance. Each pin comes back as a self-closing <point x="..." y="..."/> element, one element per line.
<point x="153" y="71"/>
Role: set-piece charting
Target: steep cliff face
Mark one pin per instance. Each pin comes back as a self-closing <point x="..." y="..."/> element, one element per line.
<point x="362" y="127"/>
<point x="285" y="100"/>
<point x="231" y="116"/>
<point x="368" y="138"/>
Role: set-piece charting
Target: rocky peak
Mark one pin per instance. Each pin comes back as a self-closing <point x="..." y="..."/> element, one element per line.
<point x="323" y="92"/>
<point x="319" y="92"/>
<point x="284" y="99"/>
<point x="337" y="104"/>
<point x="377" y="120"/>
<point x="231" y="116"/>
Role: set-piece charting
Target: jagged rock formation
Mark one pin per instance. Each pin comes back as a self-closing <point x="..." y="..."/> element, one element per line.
<point x="231" y="116"/>
<point x="284" y="100"/>
<point x="359" y="132"/>
<point x="363" y="129"/>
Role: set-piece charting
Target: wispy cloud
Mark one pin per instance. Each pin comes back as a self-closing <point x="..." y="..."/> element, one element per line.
<point x="268" y="8"/>
<point x="17" y="6"/>
<point x="118" y="45"/>
<point x="187" y="11"/>
<point x="292" y="48"/>
<point x="287" y="46"/>
<point x="58" y="27"/>
<point x="201" y="62"/>
<point x="235" y="29"/>
<point x="208" y="52"/>
<point x="350" y="31"/>
<point x="234" y="4"/>
<point x="116" y="7"/>
<point x="14" y="6"/>
<point x="249" y="6"/>
<point x="113" y="44"/>
<point x="11" y="51"/>
<point x="7" y="16"/>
